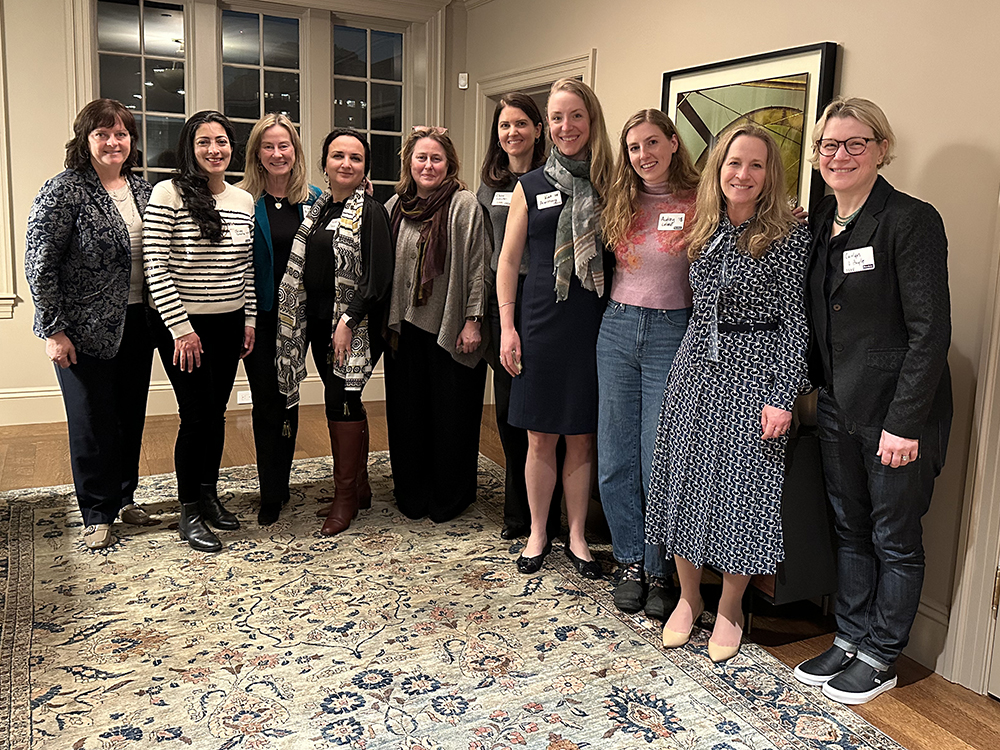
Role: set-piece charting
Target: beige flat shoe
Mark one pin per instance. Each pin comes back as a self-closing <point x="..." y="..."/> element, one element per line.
<point x="673" y="639"/>
<point x="719" y="653"/>
<point x="97" y="536"/>
<point x="134" y="515"/>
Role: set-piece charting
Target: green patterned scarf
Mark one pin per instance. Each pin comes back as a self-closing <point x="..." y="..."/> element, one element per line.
<point x="576" y="233"/>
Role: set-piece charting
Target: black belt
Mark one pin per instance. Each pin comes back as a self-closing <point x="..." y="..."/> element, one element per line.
<point x="747" y="327"/>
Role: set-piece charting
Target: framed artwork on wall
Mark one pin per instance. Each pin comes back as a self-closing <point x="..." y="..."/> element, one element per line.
<point x="783" y="91"/>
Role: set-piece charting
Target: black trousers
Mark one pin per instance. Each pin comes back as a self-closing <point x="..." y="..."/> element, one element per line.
<point x="515" y="440"/>
<point x="275" y="426"/>
<point x="105" y="403"/>
<point x="202" y="396"/>
<point x="434" y="407"/>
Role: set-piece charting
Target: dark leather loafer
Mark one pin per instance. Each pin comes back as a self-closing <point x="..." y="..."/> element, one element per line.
<point x="514" y="531"/>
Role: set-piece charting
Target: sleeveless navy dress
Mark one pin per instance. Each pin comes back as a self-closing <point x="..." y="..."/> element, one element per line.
<point x="557" y="390"/>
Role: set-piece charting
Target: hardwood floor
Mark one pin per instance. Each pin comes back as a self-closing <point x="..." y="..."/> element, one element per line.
<point x="926" y="712"/>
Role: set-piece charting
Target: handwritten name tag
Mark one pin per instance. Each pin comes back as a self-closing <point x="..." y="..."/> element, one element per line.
<point x="502" y="199"/>
<point x="549" y="200"/>
<point x="240" y="234"/>
<point x="671" y="222"/>
<point x="862" y="259"/>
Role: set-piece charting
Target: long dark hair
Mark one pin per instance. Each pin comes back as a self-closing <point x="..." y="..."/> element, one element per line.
<point x="192" y="182"/>
<point x="496" y="166"/>
<point x="100" y="113"/>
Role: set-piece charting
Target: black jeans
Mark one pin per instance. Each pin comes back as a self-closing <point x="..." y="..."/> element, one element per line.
<point x="202" y="396"/>
<point x="877" y="510"/>
<point x="105" y="403"/>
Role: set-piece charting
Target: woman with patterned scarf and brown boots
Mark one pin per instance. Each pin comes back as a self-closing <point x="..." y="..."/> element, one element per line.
<point x="331" y="299"/>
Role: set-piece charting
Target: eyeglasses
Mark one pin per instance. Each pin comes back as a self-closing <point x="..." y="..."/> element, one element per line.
<point x="436" y="130"/>
<point x="853" y="146"/>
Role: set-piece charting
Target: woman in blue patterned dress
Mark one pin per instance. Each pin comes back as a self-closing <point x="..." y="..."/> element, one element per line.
<point x="718" y="466"/>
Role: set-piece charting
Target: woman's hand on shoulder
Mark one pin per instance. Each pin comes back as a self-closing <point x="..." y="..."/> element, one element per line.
<point x="60" y="349"/>
<point x="774" y="422"/>
<point x="187" y="352"/>
<point x="470" y="337"/>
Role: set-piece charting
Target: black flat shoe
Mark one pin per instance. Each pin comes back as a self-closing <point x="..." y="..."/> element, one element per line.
<point x="587" y="568"/>
<point x="528" y="565"/>
<point x="514" y="531"/>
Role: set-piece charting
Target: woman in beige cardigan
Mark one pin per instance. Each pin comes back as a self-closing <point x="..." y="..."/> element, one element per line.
<point x="435" y="376"/>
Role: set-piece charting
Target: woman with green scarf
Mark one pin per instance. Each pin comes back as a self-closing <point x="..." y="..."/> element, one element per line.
<point x="555" y="211"/>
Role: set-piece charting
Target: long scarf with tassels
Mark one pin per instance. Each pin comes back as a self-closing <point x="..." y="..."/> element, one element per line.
<point x="432" y="244"/>
<point x="291" y="356"/>
<point x="576" y="233"/>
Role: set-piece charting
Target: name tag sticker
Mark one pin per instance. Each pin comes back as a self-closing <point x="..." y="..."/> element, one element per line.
<point x="671" y="222"/>
<point x="549" y="200"/>
<point x="862" y="259"/>
<point x="502" y="199"/>
<point x="241" y="234"/>
<point x="332" y="226"/>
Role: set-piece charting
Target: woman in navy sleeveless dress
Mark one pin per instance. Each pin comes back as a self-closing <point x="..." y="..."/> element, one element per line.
<point x="554" y="211"/>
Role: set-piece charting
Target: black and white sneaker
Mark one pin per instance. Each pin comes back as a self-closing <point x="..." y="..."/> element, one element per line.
<point x="821" y="669"/>
<point x="859" y="683"/>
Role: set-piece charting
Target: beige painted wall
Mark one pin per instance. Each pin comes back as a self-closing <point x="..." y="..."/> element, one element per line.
<point x="932" y="68"/>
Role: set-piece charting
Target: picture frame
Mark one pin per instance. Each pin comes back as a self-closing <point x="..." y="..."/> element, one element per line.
<point x="785" y="91"/>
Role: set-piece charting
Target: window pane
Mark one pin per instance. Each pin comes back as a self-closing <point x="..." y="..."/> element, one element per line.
<point x="350" y="100"/>
<point x="281" y="42"/>
<point x="241" y="92"/>
<point x="240" y="38"/>
<point x="242" y="135"/>
<point x="387" y="55"/>
<point x="155" y="177"/>
<point x="387" y="107"/>
<point x="382" y="193"/>
<point x="162" y="134"/>
<point x="137" y="146"/>
<point x="163" y="27"/>
<point x="164" y="86"/>
<point x="281" y="93"/>
<point x="350" y="51"/>
<point x="118" y="26"/>
<point x="121" y="80"/>
<point x="385" y="157"/>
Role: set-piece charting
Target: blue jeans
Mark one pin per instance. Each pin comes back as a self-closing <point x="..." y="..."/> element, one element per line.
<point x="635" y="349"/>
<point x="877" y="512"/>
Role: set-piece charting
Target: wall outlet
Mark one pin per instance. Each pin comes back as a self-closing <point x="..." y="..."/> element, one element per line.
<point x="244" y="397"/>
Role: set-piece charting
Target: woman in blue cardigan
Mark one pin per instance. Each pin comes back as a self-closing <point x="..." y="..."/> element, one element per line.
<point x="83" y="261"/>
<point x="276" y="177"/>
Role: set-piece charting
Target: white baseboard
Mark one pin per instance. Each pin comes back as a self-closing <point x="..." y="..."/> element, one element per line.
<point x="927" y="636"/>
<point x="41" y="405"/>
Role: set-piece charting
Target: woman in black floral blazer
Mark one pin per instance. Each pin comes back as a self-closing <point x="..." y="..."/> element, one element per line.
<point x="83" y="261"/>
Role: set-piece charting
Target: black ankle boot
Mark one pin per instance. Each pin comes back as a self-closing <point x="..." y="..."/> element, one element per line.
<point x="214" y="511"/>
<point x="193" y="530"/>
<point x="268" y="513"/>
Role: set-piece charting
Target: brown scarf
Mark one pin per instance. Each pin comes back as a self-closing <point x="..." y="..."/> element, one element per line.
<point x="432" y="246"/>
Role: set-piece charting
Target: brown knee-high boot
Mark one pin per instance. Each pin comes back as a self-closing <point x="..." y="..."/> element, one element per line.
<point x="346" y="441"/>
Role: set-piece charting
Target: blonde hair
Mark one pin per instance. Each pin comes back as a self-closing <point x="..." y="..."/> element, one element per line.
<point x="255" y="177"/>
<point x="601" y="155"/>
<point x="623" y="199"/>
<point x="864" y="111"/>
<point x="406" y="185"/>
<point x="773" y="218"/>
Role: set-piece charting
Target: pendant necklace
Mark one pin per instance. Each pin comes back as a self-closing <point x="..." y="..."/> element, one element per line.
<point x="277" y="202"/>
<point x="843" y="221"/>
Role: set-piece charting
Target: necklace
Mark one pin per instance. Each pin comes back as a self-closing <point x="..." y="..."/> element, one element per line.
<point x="122" y="198"/>
<point x="277" y="201"/>
<point x="843" y="221"/>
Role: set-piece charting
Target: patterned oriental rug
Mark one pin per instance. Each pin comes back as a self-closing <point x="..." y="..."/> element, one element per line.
<point x="393" y="635"/>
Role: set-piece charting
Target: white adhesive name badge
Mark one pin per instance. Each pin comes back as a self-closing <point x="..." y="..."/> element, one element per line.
<point x="548" y="200"/>
<point x="241" y="234"/>
<point x="502" y="199"/>
<point x="671" y="222"/>
<point x="862" y="259"/>
<point x="332" y="226"/>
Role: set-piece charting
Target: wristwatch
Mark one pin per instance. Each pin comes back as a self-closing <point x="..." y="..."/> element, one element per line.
<point x="347" y="321"/>
<point x="475" y="318"/>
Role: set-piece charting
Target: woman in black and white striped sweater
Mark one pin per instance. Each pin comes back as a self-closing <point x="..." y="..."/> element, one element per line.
<point x="198" y="261"/>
